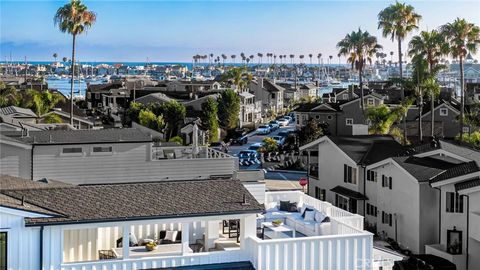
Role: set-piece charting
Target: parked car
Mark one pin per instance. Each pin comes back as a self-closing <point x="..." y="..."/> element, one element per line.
<point x="289" y="118"/>
<point x="255" y="146"/>
<point x="279" y="139"/>
<point x="283" y="122"/>
<point x="275" y="124"/>
<point x="263" y="129"/>
<point x="240" y="137"/>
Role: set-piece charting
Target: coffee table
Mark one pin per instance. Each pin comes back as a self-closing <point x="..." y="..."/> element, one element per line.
<point x="280" y="231"/>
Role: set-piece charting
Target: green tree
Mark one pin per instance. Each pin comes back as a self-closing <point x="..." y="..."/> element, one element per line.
<point x="210" y="118"/>
<point x="74" y="18"/>
<point x="397" y="21"/>
<point x="310" y="132"/>
<point x="149" y="119"/>
<point x="269" y="145"/>
<point x="9" y="96"/>
<point x="134" y="111"/>
<point x="176" y="139"/>
<point x="429" y="46"/>
<point x="359" y="47"/>
<point x="52" y="119"/>
<point x="43" y="102"/>
<point x="472" y="116"/>
<point x="473" y="139"/>
<point x="229" y="108"/>
<point x="238" y="76"/>
<point x="174" y="114"/>
<point x="463" y="37"/>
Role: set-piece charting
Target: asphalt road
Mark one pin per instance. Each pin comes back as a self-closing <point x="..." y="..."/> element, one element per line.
<point x="273" y="175"/>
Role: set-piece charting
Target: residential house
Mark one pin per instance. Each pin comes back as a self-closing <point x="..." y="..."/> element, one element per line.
<point x="21" y="114"/>
<point x="250" y="109"/>
<point x="108" y="155"/>
<point x="270" y="94"/>
<point x="198" y="224"/>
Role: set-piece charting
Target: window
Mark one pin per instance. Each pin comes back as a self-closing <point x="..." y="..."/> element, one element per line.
<point x="387" y="181"/>
<point x="97" y="95"/>
<point x="320" y="193"/>
<point x="102" y="149"/>
<point x="349" y="174"/>
<point x="317" y="116"/>
<point x="345" y="96"/>
<point x="443" y="111"/>
<point x="72" y="150"/>
<point x="3" y="250"/>
<point x="371" y="176"/>
<point x="370" y="102"/>
<point x="390" y="182"/>
<point x="386" y="218"/>
<point x="329" y="117"/>
<point x="454" y="203"/>
<point x="341" y="202"/>
<point x="349" y="121"/>
<point x="273" y="95"/>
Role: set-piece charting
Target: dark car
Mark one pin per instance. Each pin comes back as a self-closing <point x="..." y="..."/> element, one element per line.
<point x="239" y="137"/>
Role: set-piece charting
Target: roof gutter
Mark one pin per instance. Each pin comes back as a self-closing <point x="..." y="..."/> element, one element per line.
<point x="72" y="222"/>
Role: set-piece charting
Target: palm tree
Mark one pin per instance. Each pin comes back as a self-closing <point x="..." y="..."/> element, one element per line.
<point x="310" y="56"/>
<point x="359" y="47"/>
<point x="55" y="55"/>
<point x="397" y="21"/>
<point x="463" y="37"/>
<point x="429" y="46"/>
<point x="74" y="18"/>
<point x="64" y="59"/>
<point x="291" y="57"/>
<point x="43" y="102"/>
<point x="233" y="56"/>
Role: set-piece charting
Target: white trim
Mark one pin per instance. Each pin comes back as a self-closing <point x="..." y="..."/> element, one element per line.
<point x="440" y="106"/>
<point x="323" y="139"/>
<point x="17" y="144"/>
<point x="443" y="111"/>
<point x="469" y="190"/>
<point x="323" y="105"/>
<point x="22" y="213"/>
<point x="442" y="152"/>
<point x="455" y="179"/>
<point x="390" y="161"/>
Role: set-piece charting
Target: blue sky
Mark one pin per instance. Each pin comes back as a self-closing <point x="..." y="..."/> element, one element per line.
<point x="176" y="30"/>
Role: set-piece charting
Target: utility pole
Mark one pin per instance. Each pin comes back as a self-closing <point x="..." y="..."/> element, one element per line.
<point x="25" y="70"/>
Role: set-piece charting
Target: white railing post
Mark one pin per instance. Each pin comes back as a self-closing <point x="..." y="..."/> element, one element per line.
<point x="185" y="237"/>
<point x="126" y="241"/>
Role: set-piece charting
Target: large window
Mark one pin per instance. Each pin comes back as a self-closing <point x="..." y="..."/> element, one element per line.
<point x="102" y="149"/>
<point x="3" y="251"/>
<point x="371" y="210"/>
<point x="372" y="176"/>
<point x="349" y="174"/>
<point x="320" y="193"/>
<point x="454" y="203"/>
<point x="341" y="202"/>
<point x="72" y="150"/>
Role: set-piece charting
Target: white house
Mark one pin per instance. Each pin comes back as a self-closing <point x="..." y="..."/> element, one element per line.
<point x="192" y="223"/>
<point x="270" y="94"/>
<point x="107" y="155"/>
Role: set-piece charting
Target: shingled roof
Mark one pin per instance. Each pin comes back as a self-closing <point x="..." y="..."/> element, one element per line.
<point x="85" y="136"/>
<point x="136" y="201"/>
<point x="357" y="147"/>
<point x="423" y="168"/>
<point x="471" y="183"/>
<point x="459" y="170"/>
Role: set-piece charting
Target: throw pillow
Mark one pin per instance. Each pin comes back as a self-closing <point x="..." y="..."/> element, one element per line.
<point x="308" y="210"/>
<point x="319" y="216"/>
<point x="132" y="240"/>
<point x="309" y="216"/>
<point x="284" y="205"/>
<point x="171" y="235"/>
<point x="272" y="206"/>
<point x="326" y="219"/>
<point x="292" y="207"/>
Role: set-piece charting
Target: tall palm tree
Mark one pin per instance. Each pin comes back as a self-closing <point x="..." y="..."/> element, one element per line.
<point x="233" y="56"/>
<point x="463" y="37"/>
<point x="64" y="59"/>
<point x="360" y="47"/>
<point x="397" y="21"/>
<point x="310" y="56"/>
<point x="429" y="46"/>
<point x="75" y="19"/>
<point x="291" y="58"/>
<point x="55" y="55"/>
<point x="43" y="102"/>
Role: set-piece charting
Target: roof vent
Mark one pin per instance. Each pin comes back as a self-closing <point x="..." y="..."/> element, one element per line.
<point x="245" y="202"/>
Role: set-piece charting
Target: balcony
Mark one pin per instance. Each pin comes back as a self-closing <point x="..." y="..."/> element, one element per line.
<point x="441" y="251"/>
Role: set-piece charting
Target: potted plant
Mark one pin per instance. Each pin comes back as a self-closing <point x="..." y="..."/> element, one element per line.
<point x="151" y="246"/>
<point x="277" y="222"/>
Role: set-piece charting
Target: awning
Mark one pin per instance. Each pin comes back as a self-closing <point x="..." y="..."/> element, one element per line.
<point x="349" y="193"/>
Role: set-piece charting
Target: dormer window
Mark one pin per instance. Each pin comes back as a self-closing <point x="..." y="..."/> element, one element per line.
<point x="443" y="112"/>
<point x="345" y="96"/>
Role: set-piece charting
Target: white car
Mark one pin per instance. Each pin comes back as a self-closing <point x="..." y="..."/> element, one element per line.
<point x="283" y="122"/>
<point x="279" y="139"/>
<point x="262" y="130"/>
<point x="289" y="118"/>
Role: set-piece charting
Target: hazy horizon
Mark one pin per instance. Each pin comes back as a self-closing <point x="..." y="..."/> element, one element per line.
<point x="173" y="31"/>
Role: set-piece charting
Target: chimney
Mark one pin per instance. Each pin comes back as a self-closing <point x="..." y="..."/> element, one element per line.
<point x="260" y="82"/>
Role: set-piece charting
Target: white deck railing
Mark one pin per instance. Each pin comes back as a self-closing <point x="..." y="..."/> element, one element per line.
<point x="332" y="211"/>
<point x="161" y="261"/>
<point x="187" y="152"/>
<point x="320" y="252"/>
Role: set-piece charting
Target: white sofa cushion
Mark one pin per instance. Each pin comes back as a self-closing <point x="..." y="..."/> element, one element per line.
<point x="319" y="216"/>
<point x="309" y="216"/>
<point x="277" y="214"/>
